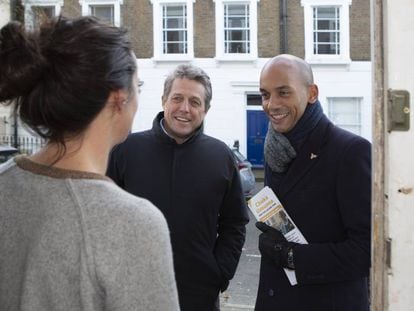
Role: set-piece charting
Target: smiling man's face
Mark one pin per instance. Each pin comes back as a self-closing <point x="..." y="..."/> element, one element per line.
<point x="184" y="109"/>
<point x="285" y="94"/>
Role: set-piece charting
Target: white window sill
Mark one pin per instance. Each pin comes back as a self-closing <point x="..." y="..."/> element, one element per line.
<point x="329" y="60"/>
<point x="236" y="58"/>
<point x="173" y="58"/>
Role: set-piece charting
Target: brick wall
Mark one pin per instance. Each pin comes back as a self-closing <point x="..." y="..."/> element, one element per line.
<point x="136" y="16"/>
<point x="296" y="29"/>
<point x="360" y="38"/>
<point x="268" y="28"/>
<point x="71" y="8"/>
<point x="204" y="29"/>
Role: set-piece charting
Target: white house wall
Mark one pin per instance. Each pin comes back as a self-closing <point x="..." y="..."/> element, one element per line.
<point x="347" y="81"/>
<point x="231" y="81"/>
<point x="4" y="12"/>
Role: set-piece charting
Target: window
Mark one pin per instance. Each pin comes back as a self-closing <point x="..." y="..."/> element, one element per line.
<point x="38" y="11"/>
<point x="254" y="100"/>
<point x="173" y="29"/>
<point x="106" y="10"/>
<point x="345" y="112"/>
<point x="327" y="31"/>
<point x="236" y="29"/>
<point x="103" y="12"/>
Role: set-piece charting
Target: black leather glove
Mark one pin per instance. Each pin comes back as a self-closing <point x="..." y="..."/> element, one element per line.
<point x="274" y="247"/>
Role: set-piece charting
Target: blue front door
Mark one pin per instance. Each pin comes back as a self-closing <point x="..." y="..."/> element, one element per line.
<point x="257" y="122"/>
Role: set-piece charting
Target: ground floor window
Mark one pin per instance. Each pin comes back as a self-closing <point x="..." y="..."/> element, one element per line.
<point x="345" y="112"/>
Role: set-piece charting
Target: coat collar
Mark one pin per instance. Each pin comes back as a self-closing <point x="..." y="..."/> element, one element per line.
<point x="160" y="134"/>
<point x="309" y="154"/>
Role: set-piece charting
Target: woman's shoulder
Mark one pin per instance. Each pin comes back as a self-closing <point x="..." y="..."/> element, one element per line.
<point x="107" y="204"/>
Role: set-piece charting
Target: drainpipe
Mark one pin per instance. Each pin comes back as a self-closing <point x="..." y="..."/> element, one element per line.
<point x="283" y="26"/>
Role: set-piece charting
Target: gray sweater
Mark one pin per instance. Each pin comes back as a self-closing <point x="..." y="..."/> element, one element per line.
<point x="72" y="240"/>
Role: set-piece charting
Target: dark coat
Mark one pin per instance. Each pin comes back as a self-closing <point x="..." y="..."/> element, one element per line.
<point x="197" y="187"/>
<point x="327" y="193"/>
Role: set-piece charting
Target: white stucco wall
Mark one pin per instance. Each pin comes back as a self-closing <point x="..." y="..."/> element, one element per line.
<point x="231" y="82"/>
<point x="4" y="12"/>
<point x="347" y="81"/>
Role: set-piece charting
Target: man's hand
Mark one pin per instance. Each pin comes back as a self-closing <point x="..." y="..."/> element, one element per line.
<point x="274" y="247"/>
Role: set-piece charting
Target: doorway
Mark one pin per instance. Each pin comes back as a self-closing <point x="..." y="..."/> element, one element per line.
<point x="256" y="132"/>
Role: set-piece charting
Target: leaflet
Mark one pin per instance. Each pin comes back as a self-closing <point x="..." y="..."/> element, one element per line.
<point x="267" y="208"/>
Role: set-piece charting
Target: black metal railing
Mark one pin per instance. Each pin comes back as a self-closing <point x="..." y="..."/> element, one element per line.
<point x="25" y="144"/>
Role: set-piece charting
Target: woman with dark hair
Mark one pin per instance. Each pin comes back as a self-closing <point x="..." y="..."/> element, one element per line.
<point x="70" y="239"/>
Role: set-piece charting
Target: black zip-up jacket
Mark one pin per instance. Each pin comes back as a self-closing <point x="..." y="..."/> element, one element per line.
<point x="197" y="187"/>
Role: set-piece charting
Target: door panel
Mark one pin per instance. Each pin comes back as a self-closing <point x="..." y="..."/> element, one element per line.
<point x="256" y="132"/>
<point x="399" y="157"/>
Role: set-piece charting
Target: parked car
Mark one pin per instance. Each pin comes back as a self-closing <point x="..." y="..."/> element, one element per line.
<point x="247" y="177"/>
<point x="6" y="152"/>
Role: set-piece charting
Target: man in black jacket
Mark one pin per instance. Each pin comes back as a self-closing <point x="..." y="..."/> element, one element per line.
<point x="193" y="179"/>
<point x="322" y="176"/>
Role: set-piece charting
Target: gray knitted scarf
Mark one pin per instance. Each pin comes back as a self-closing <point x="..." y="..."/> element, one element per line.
<point x="278" y="151"/>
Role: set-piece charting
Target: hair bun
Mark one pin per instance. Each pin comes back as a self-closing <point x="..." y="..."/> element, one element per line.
<point x="21" y="61"/>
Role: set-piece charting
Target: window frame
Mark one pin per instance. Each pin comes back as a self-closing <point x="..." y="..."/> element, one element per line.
<point x="28" y="12"/>
<point x="336" y="32"/>
<point x="158" y="36"/>
<point x="182" y="40"/>
<point x="228" y="30"/>
<point x="94" y="7"/>
<point x="85" y="5"/>
<point x="344" y="38"/>
<point x="221" y="55"/>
